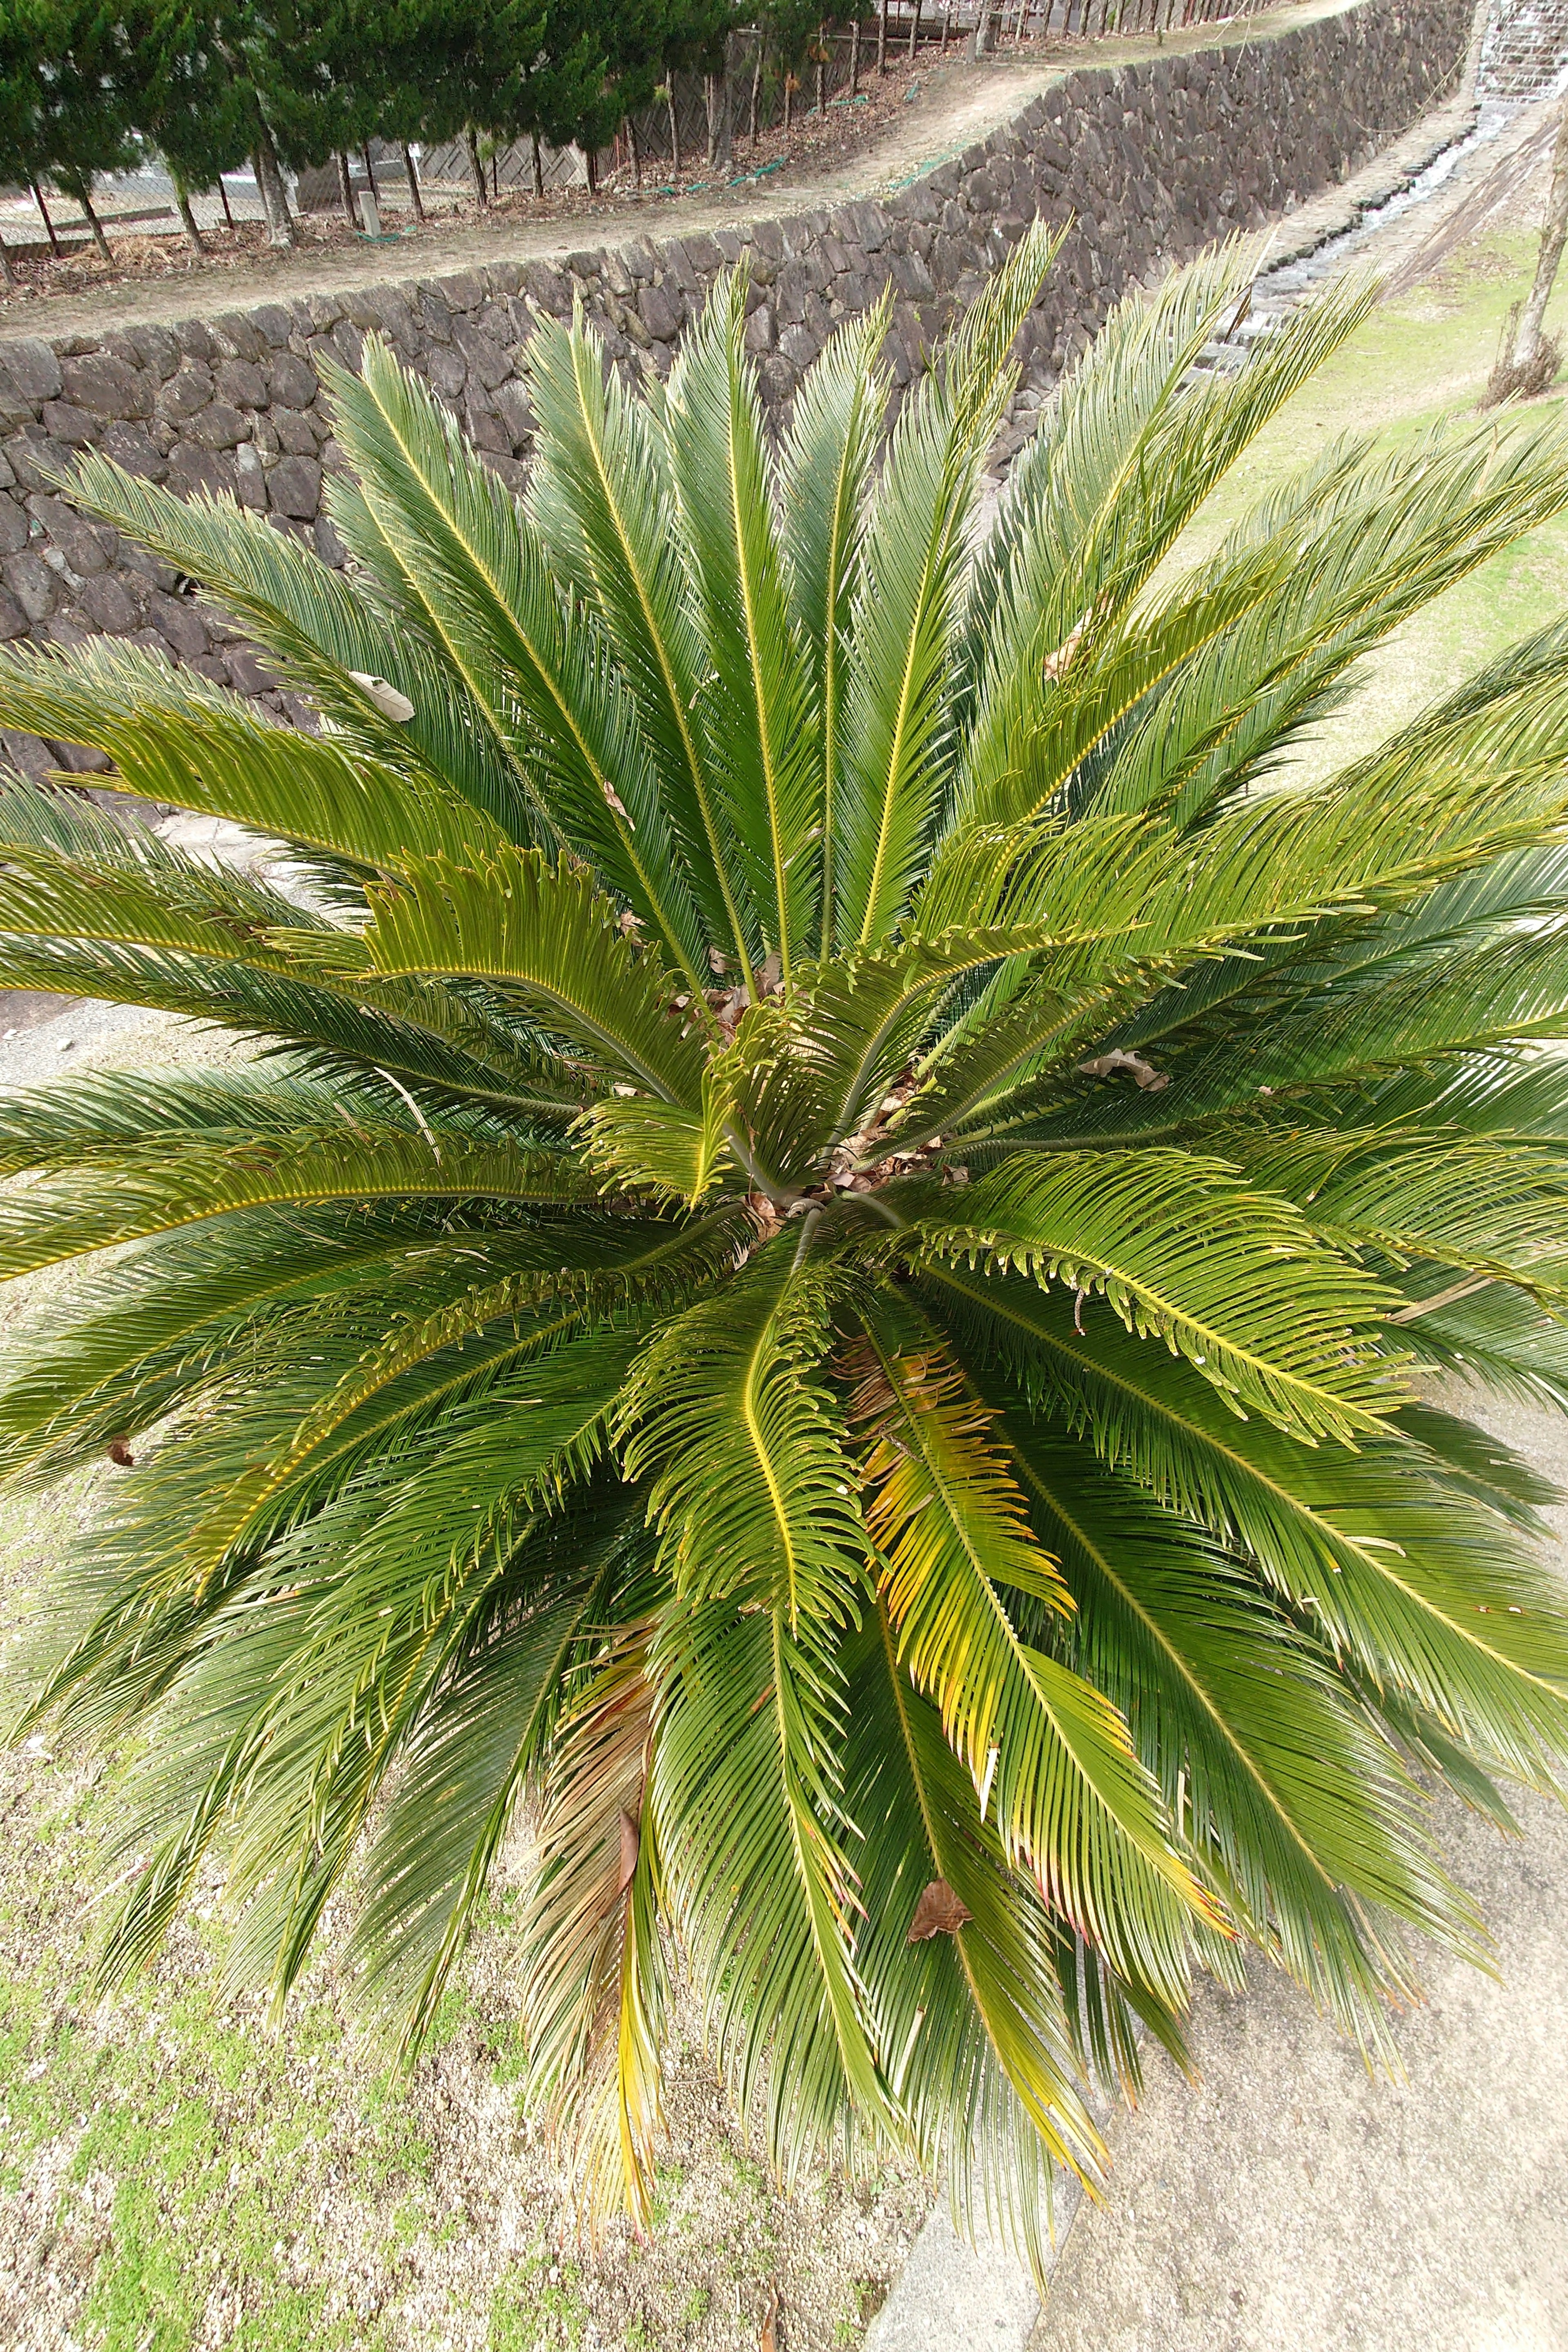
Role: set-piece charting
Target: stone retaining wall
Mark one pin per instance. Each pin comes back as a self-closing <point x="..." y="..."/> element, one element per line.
<point x="1151" y="160"/>
<point x="1524" y="48"/>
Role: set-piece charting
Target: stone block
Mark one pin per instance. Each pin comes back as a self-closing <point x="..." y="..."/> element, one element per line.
<point x="291" y="382"/>
<point x="86" y="546"/>
<point x="660" y="312"/>
<point x="241" y="383"/>
<point x="488" y="365"/>
<point x="295" y="488"/>
<point x="274" y="323"/>
<point x="66" y="423"/>
<point x="294" y="431"/>
<point x="512" y="405"/>
<point x="109" y="603"/>
<point x="31" y="583"/>
<point x="13" y="526"/>
<point x="186" y="393"/>
<point x="250" y="479"/>
<point x="33" y="368"/>
<point x="132" y="446"/>
<point x="106" y="386"/>
<point x="248" y="673"/>
<point x="193" y="468"/>
<point x="219" y="427"/>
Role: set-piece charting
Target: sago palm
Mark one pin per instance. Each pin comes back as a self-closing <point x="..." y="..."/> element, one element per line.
<point x="817" y="1282"/>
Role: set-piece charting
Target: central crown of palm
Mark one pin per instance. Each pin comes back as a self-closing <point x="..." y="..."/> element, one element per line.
<point x="818" y="1267"/>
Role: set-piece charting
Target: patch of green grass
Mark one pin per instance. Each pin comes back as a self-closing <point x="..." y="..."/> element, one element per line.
<point x="697" y="2306"/>
<point x="539" y="2304"/>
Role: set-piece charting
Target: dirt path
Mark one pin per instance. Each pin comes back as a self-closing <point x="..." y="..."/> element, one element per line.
<point x="950" y="107"/>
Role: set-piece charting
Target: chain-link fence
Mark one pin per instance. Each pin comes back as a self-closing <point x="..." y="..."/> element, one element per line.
<point x="760" y="92"/>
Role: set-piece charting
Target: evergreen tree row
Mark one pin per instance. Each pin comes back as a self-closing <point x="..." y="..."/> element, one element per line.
<point x="87" y="86"/>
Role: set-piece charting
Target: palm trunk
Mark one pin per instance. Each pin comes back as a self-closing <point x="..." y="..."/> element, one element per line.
<point x="1553" y="237"/>
<point x="346" y="191"/>
<point x="414" y="197"/>
<point x="476" y="169"/>
<point x="187" y="217"/>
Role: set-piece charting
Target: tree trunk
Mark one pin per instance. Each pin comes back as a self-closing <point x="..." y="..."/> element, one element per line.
<point x="1553" y="237"/>
<point x="591" y="165"/>
<point x="187" y="217"/>
<point x="914" y="30"/>
<point x="49" y="225"/>
<point x="274" y="194"/>
<point x="882" y="38"/>
<point x="370" y="174"/>
<point x="476" y="169"/>
<point x="854" y="58"/>
<point x="80" y="188"/>
<point x="757" y="85"/>
<point x="674" y="130"/>
<point x="415" y="198"/>
<point x="789" y="106"/>
<point x="822" y="71"/>
<point x="223" y="198"/>
<point x="538" y="163"/>
<point x="635" y="143"/>
<point x="720" y="136"/>
<point x="946" y="29"/>
<point x="346" y="191"/>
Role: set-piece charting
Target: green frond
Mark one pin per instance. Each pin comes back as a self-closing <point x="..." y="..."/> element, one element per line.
<point x="899" y="675"/>
<point x="317" y="631"/>
<point x="747" y="1805"/>
<point x="482" y="584"/>
<point x="1072" y="1803"/>
<point x="983" y="2061"/>
<point x="1425" y="1590"/>
<point x="175" y="736"/>
<point x="547" y="935"/>
<point x="1229" y="1278"/>
<point x="1276" y="1781"/>
<point x="1128" y="451"/>
<point x="603" y="500"/>
<point x="754" y="1490"/>
<point x="756" y="711"/>
<point x="826" y="469"/>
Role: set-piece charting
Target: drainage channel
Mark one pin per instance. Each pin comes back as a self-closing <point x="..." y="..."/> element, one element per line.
<point x="1277" y="290"/>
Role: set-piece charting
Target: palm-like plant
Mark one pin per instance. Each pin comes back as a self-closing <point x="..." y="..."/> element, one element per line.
<point x="820" y="1264"/>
